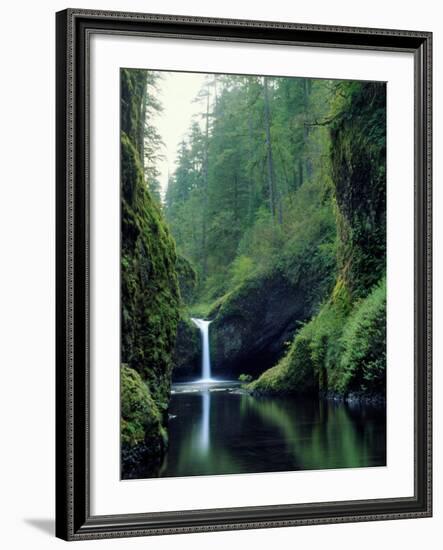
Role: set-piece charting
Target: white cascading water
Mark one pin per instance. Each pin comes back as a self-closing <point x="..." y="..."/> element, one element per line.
<point x="206" y="360"/>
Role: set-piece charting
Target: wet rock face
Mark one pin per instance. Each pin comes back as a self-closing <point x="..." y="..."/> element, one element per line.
<point x="149" y="293"/>
<point x="250" y="329"/>
<point x="187" y="352"/>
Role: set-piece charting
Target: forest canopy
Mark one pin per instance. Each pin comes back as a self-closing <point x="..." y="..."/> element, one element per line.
<point x="236" y="195"/>
<point x="282" y="179"/>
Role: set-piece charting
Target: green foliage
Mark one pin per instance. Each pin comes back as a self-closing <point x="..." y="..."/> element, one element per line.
<point x="150" y="299"/>
<point x="273" y="380"/>
<point x="187" y="279"/>
<point x="241" y="268"/>
<point x="218" y="202"/>
<point x="200" y="310"/>
<point x="307" y="365"/>
<point x="245" y="378"/>
<point x="234" y="302"/>
<point x="132" y="97"/>
<point x="358" y="160"/>
<point x="279" y="197"/>
<point x="362" y="363"/>
<point x="141" y="420"/>
<point x="150" y="296"/>
<point x="343" y="348"/>
<point x="293" y="374"/>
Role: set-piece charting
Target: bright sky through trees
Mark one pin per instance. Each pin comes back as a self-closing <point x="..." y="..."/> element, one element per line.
<point x="177" y="92"/>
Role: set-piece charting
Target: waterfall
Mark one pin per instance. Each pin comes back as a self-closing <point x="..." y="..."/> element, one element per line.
<point x="206" y="360"/>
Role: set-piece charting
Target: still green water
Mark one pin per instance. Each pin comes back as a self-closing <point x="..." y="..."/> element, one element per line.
<point x="218" y="429"/>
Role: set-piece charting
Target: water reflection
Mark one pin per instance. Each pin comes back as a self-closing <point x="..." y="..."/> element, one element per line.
<point x="219" y="430"/>
<point x="206" y="407"/>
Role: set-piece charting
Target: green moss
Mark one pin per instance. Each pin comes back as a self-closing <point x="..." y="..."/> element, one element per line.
<point x="305" y="367"/>
<point x="209" y="310"/>
<point x="140" y="416"/>
<point x="362" y="366"/>
<point x="245" y="378"/>
<point x="358" y="160"/>
<point x="150" y="295"/>
<point x="150" y="298"/>
<point x="200" y="310"/>
<point x="133" y="97"/>
<point x="293" y="374"/>
<point x="187" y="352"/>
<point x="273" y="380"/>
<point x="340" y="350"/>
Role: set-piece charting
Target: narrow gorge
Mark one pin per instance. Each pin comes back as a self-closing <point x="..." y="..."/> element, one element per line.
<point x="254" y="282"/>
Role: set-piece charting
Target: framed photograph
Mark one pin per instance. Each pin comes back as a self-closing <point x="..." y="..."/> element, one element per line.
<point x="243" y="274"/>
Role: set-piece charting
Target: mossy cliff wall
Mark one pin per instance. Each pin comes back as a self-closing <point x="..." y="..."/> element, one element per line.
<point x="358" y="160"/>
<point x="342" y="350"/>
<point x="150" y="299"/>
<point x="187" y="353"/>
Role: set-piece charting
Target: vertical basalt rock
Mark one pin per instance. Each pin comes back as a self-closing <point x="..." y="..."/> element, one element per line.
<point x="358" y="160"/>
<point x="150" y="299"/>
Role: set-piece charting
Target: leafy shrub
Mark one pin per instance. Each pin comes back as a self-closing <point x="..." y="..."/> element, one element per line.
<point x="293" y="374"/>
<point x="363" y="361"/>
<point x="241" y="268"/>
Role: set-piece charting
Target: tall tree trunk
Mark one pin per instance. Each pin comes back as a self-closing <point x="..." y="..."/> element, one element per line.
<point x="236" y="206"/>
<point x="141" y="129"/>
<point x="205" y="192"/>
<point x="250" y="180"/>
<point x="306" y="94"/>
<point x="279" y="208"/>
<point x="215" y="92"/>
<point x="300" y="172"/>
<point x="271" y="183"/>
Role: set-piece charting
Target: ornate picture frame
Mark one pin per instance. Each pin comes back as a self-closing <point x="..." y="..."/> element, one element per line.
<point x="75" y="519"/>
